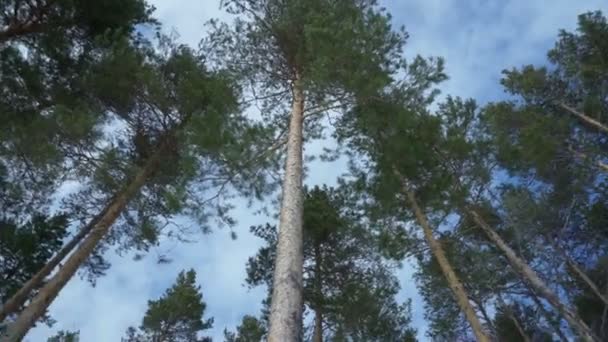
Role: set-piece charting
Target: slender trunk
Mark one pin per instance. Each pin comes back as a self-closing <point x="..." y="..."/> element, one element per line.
<point x="40" y="303"/>
<point x="604" y="316"/>
<point x="18" y="30"/>
<point x="286" y="302"/>
<point x="579" y="272"/>
<point x="518" y="326"/>
<point x="20" y="297"/>
<point x="451" y="277"/>
<point x="514" y="319"/>
<point x="534" y="280"/>
<point x="588" y="120"/>
<point x="484" y="314"/>
<point x="318" y="331"/>
<point x="555" y="325"/>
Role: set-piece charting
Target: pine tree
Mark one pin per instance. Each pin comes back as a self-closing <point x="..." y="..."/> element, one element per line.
<point x="190" y="130"/>
<point x="46" y="49"/>
<point x="466" y="164"/>
<point x="24" y="249"/>
<point x="251" y="329"/>
<point x="51" y="123"/>
<point x="65" y="336"/>
<point x="591" y="308"/>
<point x="177" y="316"/>
<point x="348" y="287"/>
<point x="554" y="139"/>
<point x="304" y="58"/>
<point x="52" y="23"/>
<point x="395" y="132"/>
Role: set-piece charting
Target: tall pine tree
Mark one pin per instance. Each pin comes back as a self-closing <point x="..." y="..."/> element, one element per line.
<point x="303" y="59"/>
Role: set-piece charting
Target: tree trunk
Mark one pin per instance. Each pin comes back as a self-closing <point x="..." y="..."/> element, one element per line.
<point x="534" y="280"/>
<point x="604" y="316"/>
<point x="485" y="315"/>
<point x="40" y="303"/>
<point x="518" y="326"/>
<point x="548" y="318"/>
<point x="579" y="272"/>
<point x="514" y="319"/>
<point x="451" y="277"/>
<point x="18" y="30"/>
<point x="286" y="302"/>
<point x="588" y="120"/>
<point x="318" y="330"/>
<point x="20" y="297"/>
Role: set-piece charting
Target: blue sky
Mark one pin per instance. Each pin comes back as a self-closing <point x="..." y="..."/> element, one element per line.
<point x="478" y="39"/>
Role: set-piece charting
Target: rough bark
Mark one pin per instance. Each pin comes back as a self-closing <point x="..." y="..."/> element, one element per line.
<point x="286" y="303"/>
<point x="453" y="282"/>
<point x="13" y="304"/>
<point x="533" y="279"/>
<point x="318" y="330"/>
<point x="40" y="303"/>
<point x="586" y="119"/>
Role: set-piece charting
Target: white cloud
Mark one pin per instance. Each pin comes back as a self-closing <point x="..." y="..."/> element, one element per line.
<point x="478" y="39"/>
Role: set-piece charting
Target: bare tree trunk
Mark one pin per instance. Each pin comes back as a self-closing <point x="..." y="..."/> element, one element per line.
<point x="19" y="30"/>
<point x="579" y="272"/>
<point x="20" y="297"/>
<point x="604" y="316"/>
<point x="317" y="335"/>
<point x="541" y="307"/>
<point x="534" y="280"/>
<point x="588" y="120"/>
<point x="40" y="303"/>
<point x="318" y="331"/>
<point x="484" y="314"/>
<point x="514" y="319"/>
<point x="451" y="277"/>
<point x="286" y="302"/>
<point x="518" y="326"/>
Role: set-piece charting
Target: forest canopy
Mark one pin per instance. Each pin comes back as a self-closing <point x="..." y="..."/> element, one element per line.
<point x="118" y="139"/>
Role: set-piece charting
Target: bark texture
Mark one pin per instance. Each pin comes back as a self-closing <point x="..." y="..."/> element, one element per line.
<point x="40" y="303"/>
<point x="286" y="303"/>
<point x="529" y="275"/>
<point x="453" y="281"/>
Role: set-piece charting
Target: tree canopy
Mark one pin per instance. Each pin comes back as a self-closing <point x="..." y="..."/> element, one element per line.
<point x="113" y="135"/>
